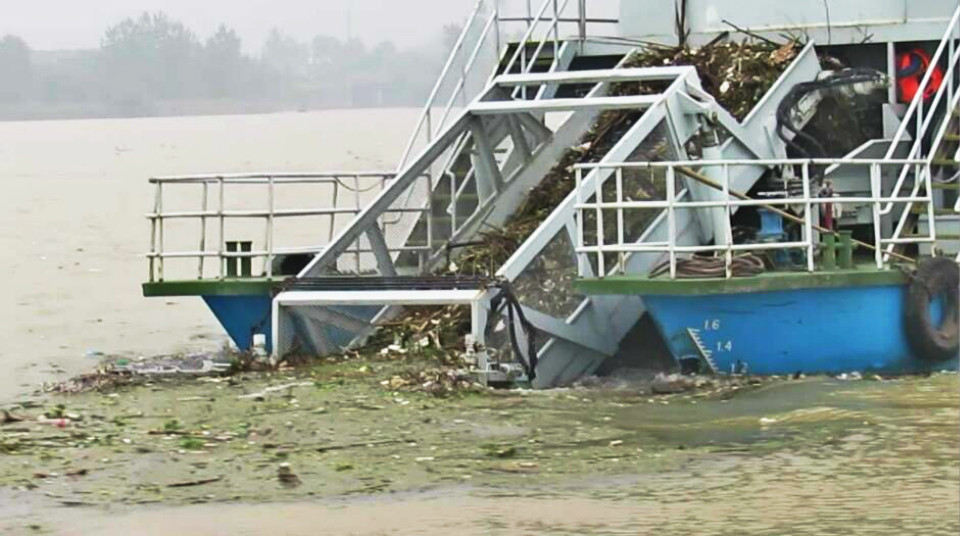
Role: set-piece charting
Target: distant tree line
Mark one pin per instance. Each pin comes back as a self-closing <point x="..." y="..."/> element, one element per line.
<point x="155" y="65"/>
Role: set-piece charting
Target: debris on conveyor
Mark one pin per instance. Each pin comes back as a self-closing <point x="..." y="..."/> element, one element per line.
<point x="738" y="75"/>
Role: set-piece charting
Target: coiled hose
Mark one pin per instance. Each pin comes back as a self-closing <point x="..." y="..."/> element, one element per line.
<point x="706" y="267"/>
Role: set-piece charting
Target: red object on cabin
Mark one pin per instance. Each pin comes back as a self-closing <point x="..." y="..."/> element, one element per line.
<point x="912" y="66"/>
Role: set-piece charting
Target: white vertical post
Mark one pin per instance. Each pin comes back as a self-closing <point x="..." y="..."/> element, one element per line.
<point x="598" y="199"/>
<point x="453" y="202"/>
<point x="358" y="206"/>
<point x="931" y="213"/>
<point x="203" y="230"/>
<point x="891" y="72"/>
<point x="620" y="239"/>
<point x="556" y="32"/>
<point x="583" y="23"/>
<point x="222" y="237"/>
<point x="581" y="257"/>
<point x="336" y="204"/>
<point x="429" y="214"/>
<point x="270" y="196"/>
<point x="160" y="228"/>
<point x="918" y="139"/>
<point x="153" y="229"/>
<point x="808" y="216"/>
<point x="726" y="227"/>
<point x="875" y="194"/>
<point x="496" y="31"/>
<point x="672" y="220"/>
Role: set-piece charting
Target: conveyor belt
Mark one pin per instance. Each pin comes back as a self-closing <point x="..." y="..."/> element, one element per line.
<point x="452" y="282"/>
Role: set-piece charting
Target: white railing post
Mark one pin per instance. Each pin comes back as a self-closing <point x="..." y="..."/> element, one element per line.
<point x="496" y="37"/>
<point x="582" y="258"/>
<point x="222" y="236"/>
<point x="270" y="236"/>
<point x="931" y="213"/>
<point x="160" y="229"/>
<point x="358" y="205"/>
<point x="620" y="238"/>
<point x="556" y="30"/>
<point x="203" y="230"/>
<point x="672" y="220"/>
<point x="875" y="193"/>
<point x="727" y="227"/>
<point x="808" y="216"/>
<point x="582" y="23"/>
<point x="598" y="199"/>
<point x="153" y="230"/>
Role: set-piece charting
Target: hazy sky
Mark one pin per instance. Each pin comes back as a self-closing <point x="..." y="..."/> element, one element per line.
<point x="64" y="24"/>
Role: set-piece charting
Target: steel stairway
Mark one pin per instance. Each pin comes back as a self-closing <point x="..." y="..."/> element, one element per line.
<point x="478" y="186"/>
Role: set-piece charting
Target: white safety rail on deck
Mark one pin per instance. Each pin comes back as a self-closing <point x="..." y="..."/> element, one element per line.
<point x="926" y="122"/>
<point x="334" y="196"/>
<point x="674" y="202"/>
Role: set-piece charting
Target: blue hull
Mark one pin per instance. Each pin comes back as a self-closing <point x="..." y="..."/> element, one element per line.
<point x="813" y="330"/>
<point x="242" y="316"/>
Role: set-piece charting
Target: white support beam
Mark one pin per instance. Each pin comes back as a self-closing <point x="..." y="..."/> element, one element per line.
<point x="535" y="127"/>
<point x="594" y="76"/>
<point x="295" y="298"/>
<point x="379" y="246"/>
<point x="487" y="171"/>
<point x="563" y="105"/>
<point x="520" y="142"/>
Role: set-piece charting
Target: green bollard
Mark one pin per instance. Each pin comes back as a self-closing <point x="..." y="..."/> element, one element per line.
<point x="845" y="253"/>
<point x="828" y="252"/>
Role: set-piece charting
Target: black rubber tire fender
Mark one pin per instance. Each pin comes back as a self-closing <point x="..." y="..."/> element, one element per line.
<point x="934" y="278"/>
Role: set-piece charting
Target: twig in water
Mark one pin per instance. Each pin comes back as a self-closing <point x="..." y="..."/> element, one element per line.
<point x="195" y="482"/>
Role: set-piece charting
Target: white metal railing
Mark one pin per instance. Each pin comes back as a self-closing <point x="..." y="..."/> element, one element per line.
<point x="486" y="27"/>
<point x="728" y="201"/>
<point x="920" y="118"/>
<point x="344" y="193"/>
<point x="956" y="208"/>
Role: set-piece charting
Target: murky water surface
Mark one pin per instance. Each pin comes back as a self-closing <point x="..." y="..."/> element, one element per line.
<point x="73" y="231"/>
<point x="819" y="456"/>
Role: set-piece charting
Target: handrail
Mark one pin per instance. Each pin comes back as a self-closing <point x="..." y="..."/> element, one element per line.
<point x="923" y="124"/>
<point x="427" y="109"/>
<point x="357" y="183"/>
<point x="727" y="200"/>
<point x="425" y="124"/>
<point x="916" y="105"/>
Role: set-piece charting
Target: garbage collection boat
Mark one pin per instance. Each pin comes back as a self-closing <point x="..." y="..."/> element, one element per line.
<point x="708" y="188"/>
